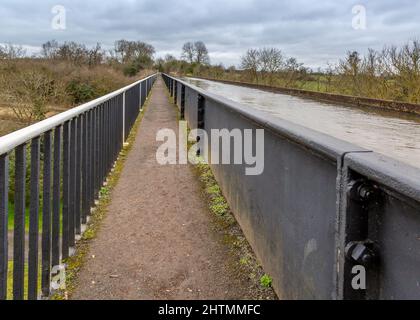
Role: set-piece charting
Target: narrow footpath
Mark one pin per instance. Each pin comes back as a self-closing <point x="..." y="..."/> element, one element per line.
<point x="157" y="240"/>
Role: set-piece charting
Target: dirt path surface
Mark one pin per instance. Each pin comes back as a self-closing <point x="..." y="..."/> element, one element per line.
<point x="157" y="240"/>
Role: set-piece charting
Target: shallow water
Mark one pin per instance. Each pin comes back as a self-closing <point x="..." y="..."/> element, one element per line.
<point x="394" y="134"/>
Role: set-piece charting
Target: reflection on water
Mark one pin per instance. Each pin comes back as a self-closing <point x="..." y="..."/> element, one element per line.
<point x="391" y="133"/>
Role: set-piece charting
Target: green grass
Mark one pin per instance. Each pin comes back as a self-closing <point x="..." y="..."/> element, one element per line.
<point x="10" y="281"/>
<point x="11" y="217"/>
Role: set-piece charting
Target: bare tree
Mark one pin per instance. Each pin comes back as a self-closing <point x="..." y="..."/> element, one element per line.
<point x="271" y="62"/>
<point x="350" y="69"/>
<point x="251" y="62"/>
<point x="201" y="53"/>
<point x="128" y="51"/>
<point x="10" y="51"/>
<point x="28" y="93"/>
<point x="50" y="49"/>
<point x="188" y="52"/>
<point x="96" y="55"/>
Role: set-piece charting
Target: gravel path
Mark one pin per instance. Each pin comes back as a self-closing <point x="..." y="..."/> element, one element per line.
<point x="157" y="240"/>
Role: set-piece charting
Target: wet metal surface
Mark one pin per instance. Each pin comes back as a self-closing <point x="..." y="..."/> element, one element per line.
<point x="394" y="134"/>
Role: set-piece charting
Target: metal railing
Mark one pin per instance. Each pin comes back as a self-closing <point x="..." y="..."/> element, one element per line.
<point x="75" y="150"/>
<point x="321" y="209"/>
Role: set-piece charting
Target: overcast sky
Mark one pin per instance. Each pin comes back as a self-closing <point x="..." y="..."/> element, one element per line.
<point x="316" y="32"/>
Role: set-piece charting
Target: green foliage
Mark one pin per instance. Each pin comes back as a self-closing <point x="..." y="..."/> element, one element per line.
<point x="219" y="208"/>
<point x="80" y="91"/>
<point x="218" y="204"/>
<point x="266" y="281"/>
<point x="132" y="68"/>
<point x="104" y="192"/>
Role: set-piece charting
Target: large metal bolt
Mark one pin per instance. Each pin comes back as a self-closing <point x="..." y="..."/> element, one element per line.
<point x="361" y="253"/>
<point x="364" y="191"/>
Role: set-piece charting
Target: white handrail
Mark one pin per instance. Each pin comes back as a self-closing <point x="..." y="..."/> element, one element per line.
<point x="14" y="139"/>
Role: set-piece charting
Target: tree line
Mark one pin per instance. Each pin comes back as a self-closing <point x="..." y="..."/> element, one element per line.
<point x="68" y="73"/>
<point x="392" y="73"/>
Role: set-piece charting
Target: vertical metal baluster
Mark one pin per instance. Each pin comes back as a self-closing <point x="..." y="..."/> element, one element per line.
<point x="112" y="121"/>
<point x="145" y="92"/>
<point x="78" y="204"/>
<point x="104" y="146"/>
<point x="106" y="138"/>
<point x="97" y="141"/>
<point x="99" y="174"/>
<point x="72" y="190"/>
<point x="19" y="223"/>
<point x="104" y="143"/>
<point x="46" y="217"/>
<point x="66" y="188"/>
<point x="111" y="132"/>
<point x="123" y="118"/>
<point x="115" y="121"/>
<point x="92" y="158"/>
<point x="33" y="222"/>
<point x="55" y="247"/>
<point x="140" y="105"/>
<point x="88" y="160"/>
<point x="121" y="112"/>
<point x="139" y="98"/>
<point x="132" y="98"/>
<point x="96" y="153"/>
<point x="4" y="218"/>
<point x="110" y="156"/>
<point x="127" y="114"/>
<point x="84" y="170"/>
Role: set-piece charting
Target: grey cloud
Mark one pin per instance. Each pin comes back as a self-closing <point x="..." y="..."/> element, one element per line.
<point x="315" y="32"/>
